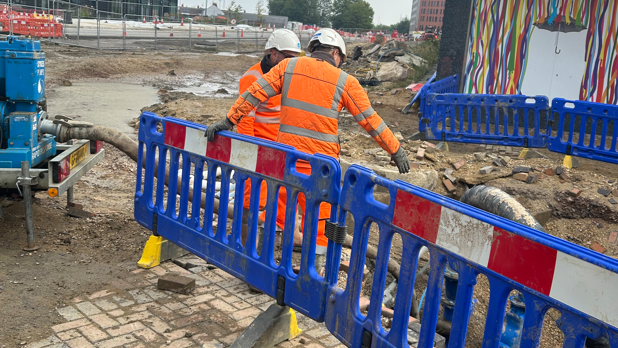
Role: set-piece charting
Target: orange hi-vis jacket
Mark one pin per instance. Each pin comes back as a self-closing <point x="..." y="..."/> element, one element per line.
<point x="313" y="92"/>
<point x="263" y="121"/>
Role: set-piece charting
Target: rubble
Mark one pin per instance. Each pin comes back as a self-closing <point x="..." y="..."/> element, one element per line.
<point x="392" y="72"/>
<point x="486" y="170"/>
<point x="604" y="192"/>
<point x="531" y="179"/>
<point x="410" y="59"/>
<point x="612" y="237"/>
<point x="459" y="164"/>
<point x="449" y="185"/>
<point x="574" y="192"/>
<point x="521" y="176"/>
<point x="597" y="247"/>
<point x="420" y="154"/>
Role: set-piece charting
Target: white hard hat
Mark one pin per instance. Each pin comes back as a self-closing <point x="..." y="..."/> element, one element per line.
<point x="283" y="40"/>
<point x="327" y="37"/>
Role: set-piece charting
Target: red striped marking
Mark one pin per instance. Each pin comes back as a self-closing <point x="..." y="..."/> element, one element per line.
<point x="220" y="149"/>
<point x="271" y="162"/>
<point x="251" y="157"/>
<point x="417" y="216"/>
<point x="175" y="135"/>
<point x="522" y="260"/>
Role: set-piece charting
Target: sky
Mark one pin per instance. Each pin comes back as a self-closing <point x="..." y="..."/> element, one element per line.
<point x="386" y="11"/>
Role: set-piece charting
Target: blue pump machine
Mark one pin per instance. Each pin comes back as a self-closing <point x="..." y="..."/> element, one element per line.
<point x="30" y="157"/>
<point x="22" y="95"/>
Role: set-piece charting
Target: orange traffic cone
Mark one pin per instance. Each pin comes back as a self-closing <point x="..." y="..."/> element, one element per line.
<point x="269" y="26"/>
<point x="144" y="21"/>
<point x="274" y="26"/>
<point x="242" y="32"/>
<point x="199" y="32"/>
<point x="154" y="20"/>
<point x="182" y="22"/>
<point x="161" y="20"/>
<point x="223" y="32"/>
<point x="171" y="31"/>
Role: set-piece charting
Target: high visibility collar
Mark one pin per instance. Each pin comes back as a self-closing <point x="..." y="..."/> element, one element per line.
<point x="265" y="64"/>
<point x="325" y="57"/>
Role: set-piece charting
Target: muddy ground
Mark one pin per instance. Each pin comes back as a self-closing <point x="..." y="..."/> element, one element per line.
<point x="78" y="256"/>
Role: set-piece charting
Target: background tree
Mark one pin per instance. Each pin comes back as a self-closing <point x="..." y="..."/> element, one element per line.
<point x="259" y="10"/>
<point x="352" y="14"/>
<point x="234" y="9"/>
<point x="305" y="11"/>
<point x="325" y="9"/>
<point x="403" y="26"/>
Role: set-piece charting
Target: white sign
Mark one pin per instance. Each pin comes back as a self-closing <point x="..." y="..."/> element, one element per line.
<point x="233" y="21"/>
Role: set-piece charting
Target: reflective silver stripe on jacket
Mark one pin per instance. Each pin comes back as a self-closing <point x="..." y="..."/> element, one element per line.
<point x="298" y="104"/>
<point x="252" y="73"/>
<point x="330" y="138"/>
<point x="262" y="107"/>
<point x="251" y="99"/>
<point x="287" y="77"/>
<point x="379" y="130"/>
<point x="266" y="87"/>
<point x="364" y="114"/>
<point x="267" y="120"/>
<point x="343" y="77"/>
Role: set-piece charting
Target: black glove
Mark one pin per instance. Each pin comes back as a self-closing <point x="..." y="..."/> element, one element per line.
<point x="401" y="160"/>
<point x="224" y="124"/>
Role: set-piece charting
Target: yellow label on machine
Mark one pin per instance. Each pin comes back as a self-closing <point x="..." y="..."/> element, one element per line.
<point x="78" y="155"/>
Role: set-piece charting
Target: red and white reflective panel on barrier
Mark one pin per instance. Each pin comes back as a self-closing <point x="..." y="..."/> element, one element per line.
<point x="252" y="157"/>
<point x="570" y="280"/>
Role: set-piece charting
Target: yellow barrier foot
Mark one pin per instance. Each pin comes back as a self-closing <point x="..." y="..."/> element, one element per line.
<point x="157" y="250"/>
<point x="275" y="325"/>
<point x="527" y="153"/>
<point x="570" y="162"/>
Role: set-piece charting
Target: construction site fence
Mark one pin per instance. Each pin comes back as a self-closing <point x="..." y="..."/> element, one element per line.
<point x="360" y="35"/>
<point x="91" y="28"/>
<point x="529" y="269"/>
<point x="571" y="127"/>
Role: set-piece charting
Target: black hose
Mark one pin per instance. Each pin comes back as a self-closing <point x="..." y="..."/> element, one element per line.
<point x="498" y="202"/>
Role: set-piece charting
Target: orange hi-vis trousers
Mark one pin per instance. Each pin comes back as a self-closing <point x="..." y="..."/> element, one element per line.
<point x="324" y="213"/>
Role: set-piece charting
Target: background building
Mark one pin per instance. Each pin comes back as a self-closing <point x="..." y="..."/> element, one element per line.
<point x="414" y="16"/>
<point x="111" y="8"/>
<point x="431" y="12"/>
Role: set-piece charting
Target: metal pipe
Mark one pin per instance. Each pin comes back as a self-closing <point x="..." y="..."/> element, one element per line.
<point x="27" y="194"/>
<point x="69" y="196"/>
<point x="216" y="40"/>
<point x="79" y="21"/>
<point x="98" y="28"/>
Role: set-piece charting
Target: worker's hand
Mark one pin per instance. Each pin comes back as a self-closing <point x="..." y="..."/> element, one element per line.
<point x="401" y="160"/>
<point x="224" y="124"/>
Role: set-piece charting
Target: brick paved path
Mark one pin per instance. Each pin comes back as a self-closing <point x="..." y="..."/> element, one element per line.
<point x="213" y="315"/>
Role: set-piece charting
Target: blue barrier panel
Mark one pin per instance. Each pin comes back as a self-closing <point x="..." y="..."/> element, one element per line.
<point x="446" y="85"/>
<point x="584" y="129"/>
<point x="169" y="212"/>
<point x="549" y="272"/>
<point x="512" y="120"/>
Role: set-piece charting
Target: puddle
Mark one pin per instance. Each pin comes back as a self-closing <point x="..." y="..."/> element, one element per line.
<point x="211" y="86"/>
<point x="102" y="103"/>
<point x="230" y="54"/>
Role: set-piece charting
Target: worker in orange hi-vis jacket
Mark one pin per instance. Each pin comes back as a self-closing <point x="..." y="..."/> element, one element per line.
<point x="313" y="91"/>
<point x="263" y="121"/>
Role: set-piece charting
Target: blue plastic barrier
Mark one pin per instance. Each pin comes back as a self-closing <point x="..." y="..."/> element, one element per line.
<point x="549" y="272"/>
<point x="446" y="85"/>
<point x="584" y="129"/>
<point x="486" y="119"/>
<point x="181" y="220"/>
